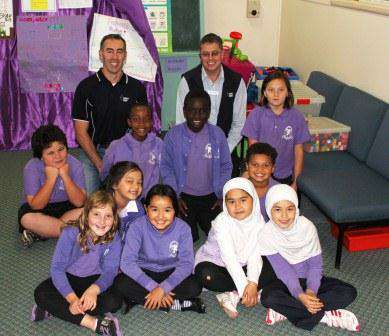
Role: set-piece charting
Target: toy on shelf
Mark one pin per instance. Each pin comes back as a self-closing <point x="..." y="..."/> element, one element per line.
<point x="231" y="45"/>
<point x="262" y="71"/>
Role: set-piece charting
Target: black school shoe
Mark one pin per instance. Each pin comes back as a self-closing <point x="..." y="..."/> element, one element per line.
<point x="38" y="314"/>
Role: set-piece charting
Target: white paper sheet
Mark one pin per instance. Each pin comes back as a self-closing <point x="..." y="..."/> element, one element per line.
<point x="139" y="63"/>
<point x="75" y="3"/>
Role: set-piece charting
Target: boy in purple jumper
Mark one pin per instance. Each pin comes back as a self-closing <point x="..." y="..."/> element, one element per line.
<point x="301" y="293"/>
<point x="140" y="146"/>
<point x="196" y="162"/>
<point x="260" y="164"/>
<point x="84" y="265"/>
<point x="54" y="187"/>
<point x="157" y="258"/>
<point x="280" y="125"/>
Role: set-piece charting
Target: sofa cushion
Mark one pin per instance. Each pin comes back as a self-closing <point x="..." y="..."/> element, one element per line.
<point x="378" y="158"/>
<point x="347" y="195"/>
<point x="363" y="113"/>
<point x="328" y="87"/>
<point x="340" y="160"/>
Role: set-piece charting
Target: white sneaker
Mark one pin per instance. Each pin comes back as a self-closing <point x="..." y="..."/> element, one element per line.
<point x="273" y="317"/>
<point x="341" y="318"/>
<point x="229" y="301"/>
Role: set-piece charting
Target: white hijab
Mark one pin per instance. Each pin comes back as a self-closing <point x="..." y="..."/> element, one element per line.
<point x="297" y="243"/>
<point x="244" y="232"/>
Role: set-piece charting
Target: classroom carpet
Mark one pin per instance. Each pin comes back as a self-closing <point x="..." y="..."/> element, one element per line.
<point x="23" y="269"/>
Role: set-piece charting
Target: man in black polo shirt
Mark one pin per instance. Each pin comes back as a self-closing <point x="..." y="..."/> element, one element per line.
<point x="225" y="87"/>
<point x="100" y="106"/>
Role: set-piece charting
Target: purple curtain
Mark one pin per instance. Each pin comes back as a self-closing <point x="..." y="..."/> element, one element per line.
<point x="22" y="114"/>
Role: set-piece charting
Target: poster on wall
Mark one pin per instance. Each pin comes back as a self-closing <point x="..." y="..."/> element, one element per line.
<point x="39" y="5"/>
<point x="158" y="14"/>
<point x="52" y="53"/>
<point x="6" y="18"/>
<point x="139" y="63"/>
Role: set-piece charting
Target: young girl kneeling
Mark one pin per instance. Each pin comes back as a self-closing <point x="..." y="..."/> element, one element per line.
<point x="229" y="261"/>
<point x="85" y="262"/>
<point x="301" y="294"/>
<point x="157" y="258"/>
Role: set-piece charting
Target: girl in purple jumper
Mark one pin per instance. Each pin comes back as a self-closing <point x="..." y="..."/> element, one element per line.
<point x="157" y="258"/>
<point x="54" y="187"/>
<point x="85" y="262"/>
<point x="301" y="293"/>
<point x="280" y="125"/>
<point x="124" y="182"/>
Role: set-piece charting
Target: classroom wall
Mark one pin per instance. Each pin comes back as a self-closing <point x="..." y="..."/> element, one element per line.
<point x="350" y="45"/>
<point x="260" y="35"/>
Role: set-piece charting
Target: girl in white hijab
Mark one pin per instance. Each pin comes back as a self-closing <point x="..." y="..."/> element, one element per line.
<point x="229" y="261"/>
<point x="301" y="294"/>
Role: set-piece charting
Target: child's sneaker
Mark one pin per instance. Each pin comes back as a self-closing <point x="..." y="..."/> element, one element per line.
<point x="116" y="322"/>
<point x="38" y="314"/>
<point x="27" y="238"/>
<point x="229" y="301"/>
<point x="273" y="317"/>
<point x="341" y="318"/>
<point x="107" y="327"/>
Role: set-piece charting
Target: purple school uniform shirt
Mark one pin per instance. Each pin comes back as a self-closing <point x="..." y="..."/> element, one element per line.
<point x="146" y="247"/>
<point x="282" y="132"/>
<point x="310" y="269"/>
<point x="174" y="159"/>
<point x="34" y="177"/>
<point x="262" y="200"/>
<point x="102" y="259"/>
<point x="199" y="176"/>
<point x="146" y="154"/>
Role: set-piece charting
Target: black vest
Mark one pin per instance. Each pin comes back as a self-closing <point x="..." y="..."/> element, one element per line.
<point x="230" y="87"/>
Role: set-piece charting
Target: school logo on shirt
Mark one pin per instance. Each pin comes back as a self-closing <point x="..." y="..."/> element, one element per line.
<point x="288" y="133"/>
<point x="173" y="248"/>
<point x="152" y="158"/>
<point x="106" y="251"/>
<point x="208" y="151"/>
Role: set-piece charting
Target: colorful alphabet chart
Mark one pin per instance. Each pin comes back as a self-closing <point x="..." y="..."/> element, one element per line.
<point x="158" y="14"/>
<point x="52" y="52"/>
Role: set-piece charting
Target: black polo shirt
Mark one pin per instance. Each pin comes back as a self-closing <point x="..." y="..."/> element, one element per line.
<point x="105" y="106"/>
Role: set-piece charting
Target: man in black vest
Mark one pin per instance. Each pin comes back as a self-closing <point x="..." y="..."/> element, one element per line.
<point x="225" y="87"/>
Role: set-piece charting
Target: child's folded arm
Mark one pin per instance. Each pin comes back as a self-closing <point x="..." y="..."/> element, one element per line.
<point x="110" y="264"/>
<point x="230" y="259"/>
<point x="315" y="272"/>
<point x="286" y="274"/>
<point x="185" y="265"/>
<point x="62" y="255"/>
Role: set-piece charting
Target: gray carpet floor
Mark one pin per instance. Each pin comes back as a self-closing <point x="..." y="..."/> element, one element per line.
<point x="22" y="270"/>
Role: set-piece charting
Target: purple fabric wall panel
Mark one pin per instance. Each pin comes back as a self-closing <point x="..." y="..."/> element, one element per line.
<point x="22" y="113"/>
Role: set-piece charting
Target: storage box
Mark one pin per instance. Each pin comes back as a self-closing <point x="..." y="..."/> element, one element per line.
<point x="306" y="100"/>
<point x="326" y="135"/>
<point x="363" y="239"/>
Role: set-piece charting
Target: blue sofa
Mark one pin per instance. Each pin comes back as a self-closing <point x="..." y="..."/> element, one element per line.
<point x="351" y="187"/>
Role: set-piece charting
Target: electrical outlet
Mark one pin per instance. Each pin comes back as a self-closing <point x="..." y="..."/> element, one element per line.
<point x="253" y="8"/>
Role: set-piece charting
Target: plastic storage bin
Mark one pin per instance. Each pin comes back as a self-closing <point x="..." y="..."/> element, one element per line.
<point x="327" y="135"/>
<point x="306" y="100"/>
<point x="364" y="239"/>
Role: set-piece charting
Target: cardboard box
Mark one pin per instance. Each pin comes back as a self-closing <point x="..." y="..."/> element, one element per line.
<point x="326" y="135"/>
<point x="364" y="239"/>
